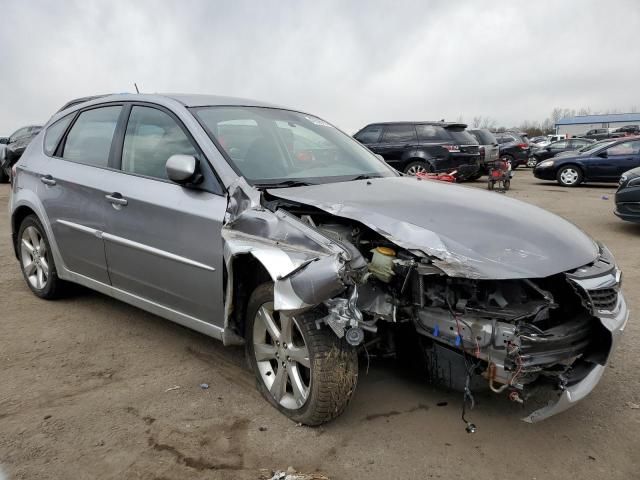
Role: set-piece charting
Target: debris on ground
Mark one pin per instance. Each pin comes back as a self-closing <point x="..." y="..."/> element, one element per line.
<point x="175" y="387"/>
<point x="633" y="406"/>
<point x="290" y="474"/>
<point x="204" y="386"/>
<point x="605" y="197"/>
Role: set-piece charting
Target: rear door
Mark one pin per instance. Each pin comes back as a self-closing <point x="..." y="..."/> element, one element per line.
<point x="163" y="241"/>
<point x="73" y="188"/>
<point x="397" y="139"/>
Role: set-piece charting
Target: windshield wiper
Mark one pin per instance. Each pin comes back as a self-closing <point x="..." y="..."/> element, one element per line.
<point x="286" y="183"/>
<point x="365" y="177"/>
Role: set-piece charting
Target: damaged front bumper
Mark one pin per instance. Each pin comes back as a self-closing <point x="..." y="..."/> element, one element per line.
<point x="614" y="322"/>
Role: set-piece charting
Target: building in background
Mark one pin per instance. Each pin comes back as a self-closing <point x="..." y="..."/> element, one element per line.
<point x="580" y="124"/>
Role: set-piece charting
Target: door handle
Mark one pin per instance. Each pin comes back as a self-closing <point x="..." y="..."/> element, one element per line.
<point x="116" y="199"/>
<point x="48" y="180"/>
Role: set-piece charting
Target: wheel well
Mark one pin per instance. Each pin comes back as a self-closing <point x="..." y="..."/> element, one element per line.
<point x="425" y="160"/>
<point x="16" y="220"/>
<point x="248" y="273"/>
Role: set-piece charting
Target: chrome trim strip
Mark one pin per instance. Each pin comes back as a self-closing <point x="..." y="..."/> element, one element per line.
<point x="81" y="228"/>
<point x="175" y="316"/>
<point x="155" y="251"/>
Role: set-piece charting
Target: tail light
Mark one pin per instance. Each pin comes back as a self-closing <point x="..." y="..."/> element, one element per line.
<point x="452" y="148"/>
<point x="523" y="146"/>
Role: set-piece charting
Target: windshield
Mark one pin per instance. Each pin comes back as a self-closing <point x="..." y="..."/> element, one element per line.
<point x="270" y="146"/>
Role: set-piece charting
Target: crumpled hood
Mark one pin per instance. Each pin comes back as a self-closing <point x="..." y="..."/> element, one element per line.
<point x="470" y="233"/>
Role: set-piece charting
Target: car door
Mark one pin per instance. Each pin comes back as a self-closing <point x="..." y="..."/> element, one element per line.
<point x="607" y="164"/>
<point x="624" y="156"/>
<point x="397" y="139"/>
<point x="73" y="188"/>
<point x="163" y="241"/>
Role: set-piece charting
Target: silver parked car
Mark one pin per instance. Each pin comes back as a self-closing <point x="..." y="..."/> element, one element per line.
<point x="269" y="227"/>
<point x="489" y="148"/>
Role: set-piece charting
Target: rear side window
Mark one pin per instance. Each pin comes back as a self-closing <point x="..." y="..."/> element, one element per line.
<point x="152" y="137"/>
<point x="431" y="132"/>
<point x="54" y="133"/>
<point x="484" y="137"/>
<point x="399" y="133"/>
<point x="371" y="134"/>
<point x="89" y="140"/>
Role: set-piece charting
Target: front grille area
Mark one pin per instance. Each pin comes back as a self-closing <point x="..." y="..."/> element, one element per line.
<point x="604" y="298"/>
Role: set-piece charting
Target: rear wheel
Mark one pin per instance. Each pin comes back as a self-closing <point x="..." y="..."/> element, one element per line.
<point x="309" y="374"/>
<point x="417" y="166"/>
<point x="569" y="176"/>
<point x="36" y="260"/>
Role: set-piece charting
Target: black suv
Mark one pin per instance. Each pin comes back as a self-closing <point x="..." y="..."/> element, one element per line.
<point x="15" y="145"/>
<point x="514" y="147"/>
<point x="420" y="147"/>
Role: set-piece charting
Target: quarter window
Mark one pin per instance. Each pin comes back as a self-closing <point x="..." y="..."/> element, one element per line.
<point x="399" y="133"/>
<point x="626" y="148"/>
<point x="431" y="132"/>
<point x="54" y="132"/>
<point x="89" y="140"/>
<point x="152" y="137"/>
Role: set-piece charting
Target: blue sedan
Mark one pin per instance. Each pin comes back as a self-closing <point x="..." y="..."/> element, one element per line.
<point x="605" y="162"/>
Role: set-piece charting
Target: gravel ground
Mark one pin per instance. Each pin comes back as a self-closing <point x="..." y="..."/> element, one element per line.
<point x="93" y="388"/>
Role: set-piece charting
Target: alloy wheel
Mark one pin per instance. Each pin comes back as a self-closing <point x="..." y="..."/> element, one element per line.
<point x="415" y="169"/>
<point x="35" y="257"/>
<point x="282" y="357"/>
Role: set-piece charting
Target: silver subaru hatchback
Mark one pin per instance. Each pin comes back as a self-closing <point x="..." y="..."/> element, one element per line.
<point x="270" y="228"/>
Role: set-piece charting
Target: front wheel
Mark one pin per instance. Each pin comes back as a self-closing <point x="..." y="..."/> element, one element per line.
<point x="569" y="176"/>
<point x="308" y="374"/>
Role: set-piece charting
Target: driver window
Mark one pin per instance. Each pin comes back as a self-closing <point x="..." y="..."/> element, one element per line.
<point x="621" y="149"/>
<point x="152" y="137"/>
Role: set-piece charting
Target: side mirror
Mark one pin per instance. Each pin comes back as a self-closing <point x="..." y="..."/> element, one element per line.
<point x="183" y="169"/>
<point x="380" y="156"/>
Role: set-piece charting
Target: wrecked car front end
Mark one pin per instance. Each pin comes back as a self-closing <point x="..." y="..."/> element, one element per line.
<point x="480" y="324"/>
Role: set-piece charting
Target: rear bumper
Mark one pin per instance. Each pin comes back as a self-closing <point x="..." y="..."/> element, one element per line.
<point x="615" y="323"/>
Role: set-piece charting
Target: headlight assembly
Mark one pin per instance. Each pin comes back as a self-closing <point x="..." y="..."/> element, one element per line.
<point x="546" y="163"/>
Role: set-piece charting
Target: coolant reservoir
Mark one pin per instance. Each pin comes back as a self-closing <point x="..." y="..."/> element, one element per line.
<point x="381" y="265"/>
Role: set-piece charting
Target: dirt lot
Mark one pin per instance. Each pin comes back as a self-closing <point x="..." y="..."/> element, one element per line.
<point x="86" y="392"/>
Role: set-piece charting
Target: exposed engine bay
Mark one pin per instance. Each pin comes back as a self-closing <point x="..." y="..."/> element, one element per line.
<point x="512" y="336"/>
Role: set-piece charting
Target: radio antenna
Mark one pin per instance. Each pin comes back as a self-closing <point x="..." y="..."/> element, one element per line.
<point x="136" y="85"/>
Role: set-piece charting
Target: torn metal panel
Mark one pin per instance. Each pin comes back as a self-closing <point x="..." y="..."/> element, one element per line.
<point x="306" y="266"/>
<point x="472" y="235"/>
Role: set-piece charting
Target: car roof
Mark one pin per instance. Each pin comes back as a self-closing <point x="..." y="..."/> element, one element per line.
<point x="425" y="122"/>
<point x="164" y="99"/>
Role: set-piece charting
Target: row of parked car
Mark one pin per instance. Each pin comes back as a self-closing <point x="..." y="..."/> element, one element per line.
<point x="434" y="147"/>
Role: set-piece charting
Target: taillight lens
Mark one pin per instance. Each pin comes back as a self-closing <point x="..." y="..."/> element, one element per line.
<point x="523" y="146"/>
<point x="452" y="148"/>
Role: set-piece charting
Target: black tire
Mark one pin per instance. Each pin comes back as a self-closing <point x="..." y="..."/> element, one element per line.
<point x="475" y="176"/>
<point x="333" y="371"/>
<point x="4" y="178"/>
<point x="411" y="168"/>
<point x="54" y="286"/>
<point x="567" y="172"/>
<point x="506" y="184"/>
<point x="491" y="185"/>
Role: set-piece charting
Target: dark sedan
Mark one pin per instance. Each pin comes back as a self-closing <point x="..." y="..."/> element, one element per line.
<point x="603" y="163"/>
<point x="560" y="146"/>
<point x="15" y="146"/>
<point x="628" y="196"/>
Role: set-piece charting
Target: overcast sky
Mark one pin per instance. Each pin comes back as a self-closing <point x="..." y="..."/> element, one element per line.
<point x="351" y="63"/>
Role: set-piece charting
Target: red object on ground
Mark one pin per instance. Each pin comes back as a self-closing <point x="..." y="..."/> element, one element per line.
<point x="442" y="177"/>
